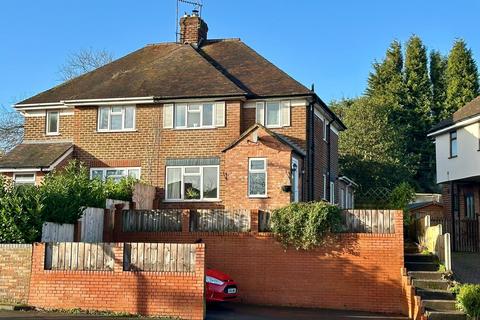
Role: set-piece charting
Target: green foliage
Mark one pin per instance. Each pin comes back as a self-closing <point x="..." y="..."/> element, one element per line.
<point x="20" y="213"/>
<point x="438" y="70"/>
<point x="462" y="78"/>
<point x="305" y="225"/>
<point x="468" y="299"/>
<point x="401" y="196"/>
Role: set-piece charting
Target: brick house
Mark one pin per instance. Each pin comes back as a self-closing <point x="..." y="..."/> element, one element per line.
<point x="210" y="123"/>
<point x="458" y="172"/>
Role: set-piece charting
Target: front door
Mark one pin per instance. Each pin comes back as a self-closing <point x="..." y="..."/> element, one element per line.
<point x="295" y="176"/>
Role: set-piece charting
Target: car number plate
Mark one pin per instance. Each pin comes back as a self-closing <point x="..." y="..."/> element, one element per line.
<point x="232" y="290"/>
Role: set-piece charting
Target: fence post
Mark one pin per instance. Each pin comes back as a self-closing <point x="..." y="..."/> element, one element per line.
<point x="254" y="220"/>
<point x="118" y="223"/>
<point x="77" y="231"/>
<point x="185" y="220"/>
<point x="448" y="251"/>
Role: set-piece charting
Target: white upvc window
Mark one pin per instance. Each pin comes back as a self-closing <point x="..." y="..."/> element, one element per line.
<point x="24" y="179"/>
<point x="114" y="173"/>
<point x="324" y="187"/>
<point x="332" y="192"/>
<point x="194" y="115"/>
<point x="116" y="118"/>
<point x="53" y="123"/>
<point x="192" y="183"/>
<point x="325" y="129"/>
<point x="273" y="114"/>
<point x="257" y="177"/>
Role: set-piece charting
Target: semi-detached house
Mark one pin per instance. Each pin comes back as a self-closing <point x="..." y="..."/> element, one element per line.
<point x="210" y="123"/>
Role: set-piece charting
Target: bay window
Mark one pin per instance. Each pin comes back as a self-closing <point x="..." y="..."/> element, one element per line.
<point x="115" y="174"/>
<point x="116" y="118"/>
<point x="192" y="183"/>
<point x="257" y="177"/>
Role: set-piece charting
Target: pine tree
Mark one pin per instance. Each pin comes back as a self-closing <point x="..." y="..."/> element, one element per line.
<point x="438" y="70"/>
<point x="462" y="78"/>
<point x="418" y="113"/>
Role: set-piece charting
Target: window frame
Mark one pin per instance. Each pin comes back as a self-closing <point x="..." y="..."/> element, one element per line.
<point x="104" y="171"/>
<point x="182" y="184"/>
<point x="332" y="192"/>
<point x="276" y="125"/>
<point x="47" y="123"/>
<point x="451" y="141"/>
<point x="325" y="130"/>
<point x="27" y="183"/>
<point x="264" y="170"/>
<point x="187" y="111"/>
<point x="109" y="118"/>
<point x="471" y="202"/>
<point x="324" y="186"/>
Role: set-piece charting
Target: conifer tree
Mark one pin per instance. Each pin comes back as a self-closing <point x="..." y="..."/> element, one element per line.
<point x="438" y="70"/>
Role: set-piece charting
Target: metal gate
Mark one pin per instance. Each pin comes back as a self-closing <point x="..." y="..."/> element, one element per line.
<point x="464" y="232"/>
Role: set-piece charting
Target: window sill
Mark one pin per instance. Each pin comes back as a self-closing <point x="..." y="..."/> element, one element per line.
<point x="258" y="197"/>
<point x="196" y="128"/>
<point x="190" y="201"/>
<point x="116" y="131"/>
<point x="452" y="157"/>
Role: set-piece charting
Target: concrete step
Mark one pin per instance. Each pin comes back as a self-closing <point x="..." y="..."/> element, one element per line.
<point x="439" y="305"/>
<point x="421" y="266"/>
<point x="429" y="294"/>
<point x="418" y="257"/>
<point x="426" y="275"/>
<point x="445" y="315"/>
<point x="430" y="284"/>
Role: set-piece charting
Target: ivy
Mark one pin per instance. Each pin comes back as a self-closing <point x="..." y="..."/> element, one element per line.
<point x="305" y="225"/>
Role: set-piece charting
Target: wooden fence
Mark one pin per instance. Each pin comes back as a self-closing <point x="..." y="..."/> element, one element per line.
<point x="433" y="238"/>
<point x="159" y="257"/>
<point x="219" y="220"/>
<point x="143" y="196"/>
<point x="53" y="232"/>
<point x="79" y="256"/>
<point x="464" y="231"/>
<point x="368" y="221"/>
<point x="91" y="224"/>
<point x="152" y="220"/>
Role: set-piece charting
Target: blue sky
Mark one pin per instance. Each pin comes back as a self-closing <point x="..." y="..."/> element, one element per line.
<point x="329" y="43"/>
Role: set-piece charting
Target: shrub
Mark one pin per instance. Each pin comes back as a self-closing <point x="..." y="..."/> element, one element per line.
<point x="468" y="299"/>
<point x="305" y="225"/>
<point x="400" y="197"/>
<point x="121" y="190"/>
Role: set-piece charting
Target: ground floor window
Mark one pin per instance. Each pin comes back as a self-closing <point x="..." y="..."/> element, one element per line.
<point x="114" y="173"/>
<point x="257" y="177"/>
<point x="192" y="183"/>
<point x="332" y="192"/>
<point x="469" y="206"/>
<point x="24" y="179"/>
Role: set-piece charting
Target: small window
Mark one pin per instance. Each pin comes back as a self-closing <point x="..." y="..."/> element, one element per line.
<point x="332" y="192"/>
<point x="257" y="177"/>
<point x="453" y="144"/>
<point x="469" y="206"/>
<point x="53" y="119"/>
<point x="325" y="130"/>
<point x="192" y="183"/>
<point x="324" y="187"/>
<point x="273" y="114"/>
<point x="115" y="174"/>
<point x="24" y="179"/>
<point x="116" y="118"/>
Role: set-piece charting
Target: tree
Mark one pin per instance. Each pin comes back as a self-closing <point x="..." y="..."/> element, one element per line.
<point x="84" y="61"/>
<point x="462" y="77"/>
<point x="11" y="129"/>
<point x="418" y="113"/>
<point x="438" y="70"/>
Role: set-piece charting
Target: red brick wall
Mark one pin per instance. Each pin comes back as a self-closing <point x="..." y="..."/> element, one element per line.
<point x="354" y="271"/>
<point x="173" y="294"/>
<point x="320" y="160"/>
<point x="35" y="128"/>
<point x="15" y="266"/>
<point x="278" y="170"/>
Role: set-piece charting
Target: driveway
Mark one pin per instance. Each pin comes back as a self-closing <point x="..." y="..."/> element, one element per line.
<point x="465" y="267"/>
<point x="224" y="312"/>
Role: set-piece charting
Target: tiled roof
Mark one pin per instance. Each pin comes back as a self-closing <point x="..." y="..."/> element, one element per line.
<point x="34" y="155"/>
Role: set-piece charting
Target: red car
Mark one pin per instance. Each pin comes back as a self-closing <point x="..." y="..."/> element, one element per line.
<point x="219" y="286"/>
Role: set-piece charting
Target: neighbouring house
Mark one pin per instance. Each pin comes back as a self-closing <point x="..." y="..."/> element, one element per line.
<point x="457" y="145"/>
<point x="421" y="209"/>
<point x="346" y="187"/>
<point x="209" y="122"/>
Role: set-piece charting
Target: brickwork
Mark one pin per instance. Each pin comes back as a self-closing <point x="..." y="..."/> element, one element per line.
<point x="354" y="271"/>
<point x="320" y="161"/>
<point x="35" y="128"/>
<point x="170" y="294"/>
<point x="15" y="267"/>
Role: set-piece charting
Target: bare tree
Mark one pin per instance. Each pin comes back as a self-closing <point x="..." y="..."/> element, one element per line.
<point x="11" y="129"/>
<point x="84" y="61"/>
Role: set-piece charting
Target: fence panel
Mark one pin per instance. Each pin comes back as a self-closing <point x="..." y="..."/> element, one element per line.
<point x="368" y="221"/>
<point x="55" y="232"/>
<point x="92" y="225"/>
<point x="143" y="196"/>
<point x="79" y="256"/>
<point x="152" y="220"/>
<point x="219" y="220"/>
<point x="159" y="257"/>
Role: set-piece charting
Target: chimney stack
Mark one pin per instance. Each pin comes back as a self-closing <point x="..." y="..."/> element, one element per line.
<point x="193" y="29"/>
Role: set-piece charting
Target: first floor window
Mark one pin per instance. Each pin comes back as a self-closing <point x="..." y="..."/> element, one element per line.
<point x="192" y="183"/>
<point x="24" y="179"/>
<point x="115" y="174"/>
<point x="324" y="187"/>
<point x="257" y="177"/>
<point x="194" y="115"/>
<point x="52" y="122"/>
<point x="116" y="118"/>
<point x="453" y="144"/>
<point x="469" y="206"/>
<point x="332" y="192"/>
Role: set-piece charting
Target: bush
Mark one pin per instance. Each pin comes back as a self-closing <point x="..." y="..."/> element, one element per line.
<point x="468" y="299"/>
<point x="305" y="225"/>
<point x="401" y="196"/>
<point x="20" y="213"/>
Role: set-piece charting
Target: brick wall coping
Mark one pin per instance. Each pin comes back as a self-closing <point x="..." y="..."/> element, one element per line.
<point x="15" y="245"/>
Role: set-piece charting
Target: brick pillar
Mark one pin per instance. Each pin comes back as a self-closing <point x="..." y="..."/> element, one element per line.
<point x="186" y="220"/>
<point x="254" y="220"/>
<point x="118" y="257"/>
